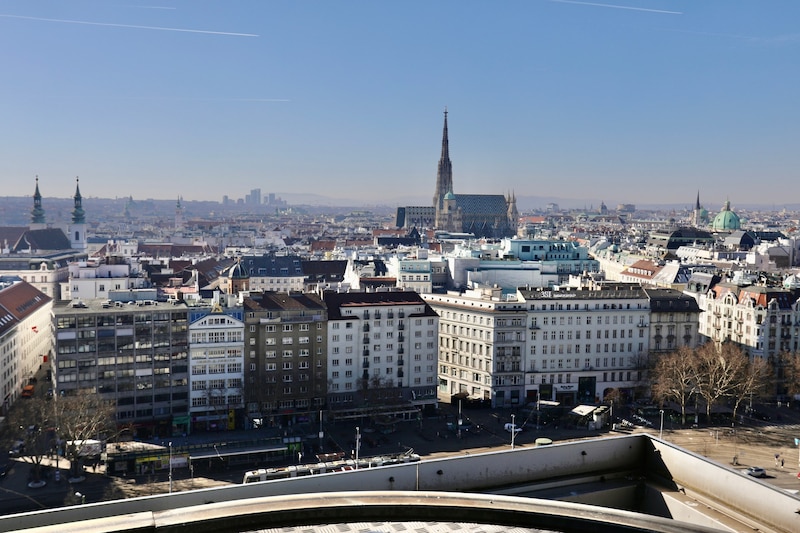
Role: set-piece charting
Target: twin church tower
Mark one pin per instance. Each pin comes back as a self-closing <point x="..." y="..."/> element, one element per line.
<point x="75" y="231"/>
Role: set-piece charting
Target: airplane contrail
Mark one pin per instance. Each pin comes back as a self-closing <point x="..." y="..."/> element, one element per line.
<point x="150" y="7"/>
<point x="631" y="8"/>
<point x="131" y="26"/>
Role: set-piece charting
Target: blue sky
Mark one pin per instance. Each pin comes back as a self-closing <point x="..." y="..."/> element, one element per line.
<point x="640" y="101"/>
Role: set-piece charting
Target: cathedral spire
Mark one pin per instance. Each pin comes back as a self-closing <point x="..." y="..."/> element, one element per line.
<point x="697" y="205"/>
<point x="37" y="213"/>
<point x="445" y="139"/>
<point x="444" y="174"/>
<point x="78" y="214"/>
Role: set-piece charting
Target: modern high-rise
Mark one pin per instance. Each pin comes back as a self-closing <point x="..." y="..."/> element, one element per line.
<point x="134" y="354"/>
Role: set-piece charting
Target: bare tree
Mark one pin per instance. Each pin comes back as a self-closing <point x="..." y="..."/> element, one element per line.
<point x="673" y="378"/>
<point x="789" y="376"/>
<point x="752" y="382"/>
<point x="82" y="417"/>
<point x="31" y="423"/>
<point x="718" y="369"/>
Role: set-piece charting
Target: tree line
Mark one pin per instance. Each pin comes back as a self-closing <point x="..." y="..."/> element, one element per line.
<point x="721" y="374"/>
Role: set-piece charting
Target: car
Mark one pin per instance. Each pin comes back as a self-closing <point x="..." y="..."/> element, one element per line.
<point x="755" y="471"/>
<point x="512" y="428"/>
<point x="17" y="449"/>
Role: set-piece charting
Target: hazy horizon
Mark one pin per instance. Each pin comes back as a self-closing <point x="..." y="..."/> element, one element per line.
<point x="623" y="102"/>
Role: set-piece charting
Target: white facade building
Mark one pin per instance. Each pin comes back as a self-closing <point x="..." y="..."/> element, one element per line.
<point x="90" y="280"/>
<point x="382" y="349"/>
<point x="216" y="375"/>
<point x="585" y="343"/>
<point x="26" y="342"/>
<point x="482" y="346"/>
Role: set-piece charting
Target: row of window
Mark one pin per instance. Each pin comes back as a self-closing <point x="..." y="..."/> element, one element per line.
<point x="600" y="348"/>
<point x="216" y="368"/>
<point x="231" y="400"/>
<point x="215" y="384"/>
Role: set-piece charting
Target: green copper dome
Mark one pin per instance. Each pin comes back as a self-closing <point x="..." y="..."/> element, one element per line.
<point x="726" y="220"/>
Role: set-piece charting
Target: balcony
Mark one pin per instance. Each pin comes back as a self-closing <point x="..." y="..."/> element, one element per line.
<point x="401" y="326"/>
<point x="365" y="353"/>
<point x="400" y="373"/>
<point x="366" y="328"/>
<point x="401" y="314"/>
<point x="401" y="338"/>
<point x="400" y="350"/>
<point x="366" y="340"/>
<point x="400" y="362"/>
<point x="365" y="364"/>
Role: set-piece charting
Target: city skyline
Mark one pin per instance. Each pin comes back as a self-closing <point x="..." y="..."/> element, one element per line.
<point x="636" y="102"/>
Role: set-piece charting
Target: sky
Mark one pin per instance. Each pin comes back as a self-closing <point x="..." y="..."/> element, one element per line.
<point x="635" y="101"/>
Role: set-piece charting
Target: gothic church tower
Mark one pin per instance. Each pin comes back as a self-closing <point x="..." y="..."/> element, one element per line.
<point x="444" y="174"/>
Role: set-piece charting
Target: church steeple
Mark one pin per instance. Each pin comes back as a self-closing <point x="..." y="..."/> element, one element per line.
<point x="444" y="174"/>
<point x="78" y="214"/>
<point x="697" y="205"/>
<point x="37" y="213"/>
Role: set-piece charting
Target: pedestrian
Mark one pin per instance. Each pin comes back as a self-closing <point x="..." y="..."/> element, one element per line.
<point x="777" y="456"/>
<point x="781" y="462"/>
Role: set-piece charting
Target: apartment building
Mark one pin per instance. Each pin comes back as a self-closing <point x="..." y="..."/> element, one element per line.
<point x="268" y="272"/>
<point x="134" y="354"/>
<point x="584" y="343"/>
<point x="216" y="363"/>
<point x="25" y="340"/>
<point x="762" y="320"/>
<point x="482" y="343"/>
<point x="674" y="320"/>
<point x="382" y="352"/>
<point x="285" y="364"/>
<point x="96" y="278"/>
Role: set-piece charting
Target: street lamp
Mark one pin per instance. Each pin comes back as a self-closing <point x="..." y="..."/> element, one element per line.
<point x="513" y="430"/>
<point x="459" y="418"/>
<point x="661" y="429"/>
<point x="358" y="443"/>
<point x="170" y="467"/>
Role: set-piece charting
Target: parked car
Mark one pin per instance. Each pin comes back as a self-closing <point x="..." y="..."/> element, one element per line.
<point x="512" y="428"/>
<point x="755" y="471"/>
<point x="17" y="449"/>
